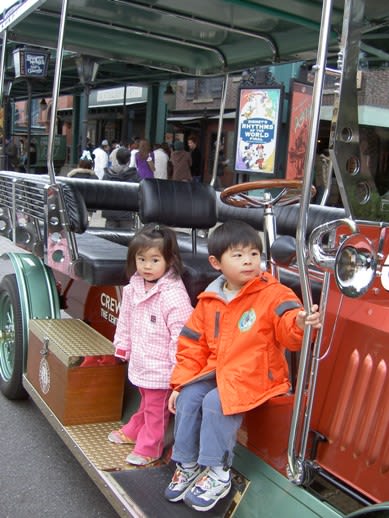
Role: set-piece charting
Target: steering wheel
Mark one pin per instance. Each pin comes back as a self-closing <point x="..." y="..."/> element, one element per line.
<point x="290" y="192"/>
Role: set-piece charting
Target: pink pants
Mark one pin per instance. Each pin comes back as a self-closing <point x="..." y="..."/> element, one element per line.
<point x="148" y="425"/>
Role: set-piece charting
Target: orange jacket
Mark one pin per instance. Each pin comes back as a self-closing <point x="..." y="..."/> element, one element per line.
<point x="242" y="341"/>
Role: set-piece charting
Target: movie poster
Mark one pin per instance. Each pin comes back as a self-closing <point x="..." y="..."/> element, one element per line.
<point x="258" y="123"/>
<point x="299" y="116"/>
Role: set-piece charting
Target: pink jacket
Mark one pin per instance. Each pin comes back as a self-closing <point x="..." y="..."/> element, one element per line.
<point x="148" y="328"/>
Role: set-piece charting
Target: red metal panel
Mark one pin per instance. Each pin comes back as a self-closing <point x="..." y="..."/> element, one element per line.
<point x="352" y="395"/>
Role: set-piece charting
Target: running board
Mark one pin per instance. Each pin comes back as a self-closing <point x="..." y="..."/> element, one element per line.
<point x="135" y="492"/>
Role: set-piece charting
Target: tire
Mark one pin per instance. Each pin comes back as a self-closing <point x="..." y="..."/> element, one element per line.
<point x="11" y="340"/>
<point x="374" y="511"/>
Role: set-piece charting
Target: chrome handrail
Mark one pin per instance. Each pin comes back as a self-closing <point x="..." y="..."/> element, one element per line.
<point x="295" y="460"/>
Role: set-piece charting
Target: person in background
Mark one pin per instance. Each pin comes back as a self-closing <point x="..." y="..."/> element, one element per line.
<point x="144" y="160"/>
<point x="112" y="156"/>
<point x="84" y="169"/>
<point x="161" y="161"/>
<point x="101" y="158"/>
<point x="181" y="162"/>
<point x="134" y="148"/>
<point x="230" y="359"/>
<point x="222" y="163"/>
<point x="154" y="308"/>
<point x="195" y="154"/>
<point x="122" y="172"/>
<point x="11" y="151"/>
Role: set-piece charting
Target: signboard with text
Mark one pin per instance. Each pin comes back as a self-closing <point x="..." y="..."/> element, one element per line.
<point x="30" y="62"/>
<point x="258" y="121"/>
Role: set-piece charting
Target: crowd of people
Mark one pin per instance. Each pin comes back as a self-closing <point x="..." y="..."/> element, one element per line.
<point x="179" y="160"/>
<point x="176" y="161"/>
<point x="136" y="161"/>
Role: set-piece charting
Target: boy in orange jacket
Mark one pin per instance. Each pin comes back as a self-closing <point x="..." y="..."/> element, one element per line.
<point x="230" y="359"/>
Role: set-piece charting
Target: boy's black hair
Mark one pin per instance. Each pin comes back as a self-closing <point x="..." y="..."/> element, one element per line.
<point x="230" y="234"/>
<point x="160" y="236"/>
<point x="123" y="155"/>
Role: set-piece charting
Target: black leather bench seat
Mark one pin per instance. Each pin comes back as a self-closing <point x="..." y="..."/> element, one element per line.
<point x="103" y="252"/>
<point x="101" y="262"/>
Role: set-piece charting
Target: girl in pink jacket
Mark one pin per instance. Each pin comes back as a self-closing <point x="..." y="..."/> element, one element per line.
<point x="154" y="308"/>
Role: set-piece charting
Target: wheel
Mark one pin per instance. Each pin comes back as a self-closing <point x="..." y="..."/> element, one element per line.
<point x="289" y="192"/>
<point x="11" y="340"/>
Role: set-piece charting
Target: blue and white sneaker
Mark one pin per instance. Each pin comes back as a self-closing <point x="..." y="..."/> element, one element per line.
<point x="207" y="491"/>
<point x="182" y="481"/>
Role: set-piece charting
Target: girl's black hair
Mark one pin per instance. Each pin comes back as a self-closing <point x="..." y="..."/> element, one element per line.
<point x="230" y="234"/>
<point x="160" y="236"/>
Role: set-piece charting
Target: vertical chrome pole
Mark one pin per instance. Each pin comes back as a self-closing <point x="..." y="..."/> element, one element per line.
<point x="56" y="87"/>
<point x="219" y="129"/>
<point x="294" y="464"/>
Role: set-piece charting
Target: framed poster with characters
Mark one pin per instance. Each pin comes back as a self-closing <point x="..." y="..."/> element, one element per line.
<point x="299" y="116"/>
<point x="258" y="122"/>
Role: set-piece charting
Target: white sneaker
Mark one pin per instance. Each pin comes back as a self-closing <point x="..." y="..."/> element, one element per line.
<point x="182" y="481"/>
<point x="207" y="491"/>
<point x="140" y="460"/>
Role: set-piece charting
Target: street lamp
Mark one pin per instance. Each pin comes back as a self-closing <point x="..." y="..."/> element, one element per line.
<point x="169" y="97"/>
<point x="87" y="69"/>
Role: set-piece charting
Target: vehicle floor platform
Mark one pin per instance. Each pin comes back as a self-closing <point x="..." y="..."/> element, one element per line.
<point x="146" y="487"/>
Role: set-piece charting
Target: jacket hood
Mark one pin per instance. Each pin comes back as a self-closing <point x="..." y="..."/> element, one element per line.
<point x="80" y="170"/>
<point x="215" y="288"/>
<point x="121" y="173"/>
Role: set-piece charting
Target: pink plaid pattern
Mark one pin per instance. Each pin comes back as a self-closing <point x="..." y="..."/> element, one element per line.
<point x="148" y="328"/>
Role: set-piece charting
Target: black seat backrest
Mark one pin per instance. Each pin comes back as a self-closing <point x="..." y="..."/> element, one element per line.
<point x="185" y="205"/>
<point x="103" y="194"/>
<point x="76" y="210"/>
<point x="177" y="204"/>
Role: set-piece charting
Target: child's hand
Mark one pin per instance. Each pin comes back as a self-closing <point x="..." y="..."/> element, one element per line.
<point x="172" y="401"/>
<point x="314" y="319"/>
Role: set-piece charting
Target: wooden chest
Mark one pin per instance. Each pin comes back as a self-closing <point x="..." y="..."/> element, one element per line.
<point x="73" y="369"/>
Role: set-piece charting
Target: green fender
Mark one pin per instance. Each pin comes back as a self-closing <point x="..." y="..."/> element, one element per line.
<point x="37" y="290"/>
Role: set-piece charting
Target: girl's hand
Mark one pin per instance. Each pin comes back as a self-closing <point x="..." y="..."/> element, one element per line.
<point x="313" y="319"/>
<point x="172" y="401"/>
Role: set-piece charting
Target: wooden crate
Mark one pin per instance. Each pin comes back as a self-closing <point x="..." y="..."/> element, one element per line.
<point x="72" y="368"/>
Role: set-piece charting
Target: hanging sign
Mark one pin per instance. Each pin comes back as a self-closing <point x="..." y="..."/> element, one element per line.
<point x="30" y="62"/>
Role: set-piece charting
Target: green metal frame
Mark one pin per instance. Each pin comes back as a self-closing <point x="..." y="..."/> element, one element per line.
<point x="271" y="494"/>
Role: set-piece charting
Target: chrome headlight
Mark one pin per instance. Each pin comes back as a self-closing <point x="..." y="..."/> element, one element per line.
<point x="355" y="265"/>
